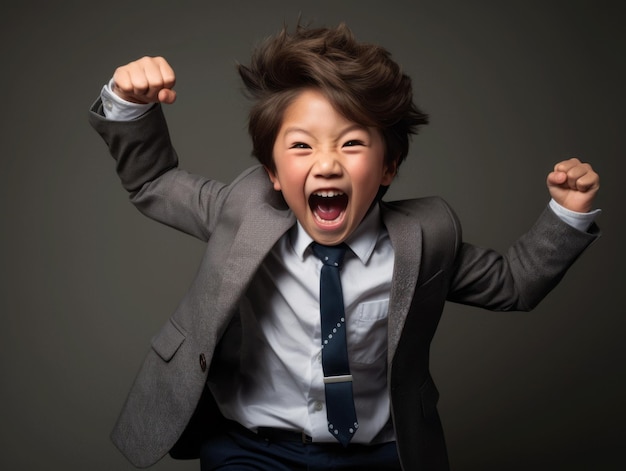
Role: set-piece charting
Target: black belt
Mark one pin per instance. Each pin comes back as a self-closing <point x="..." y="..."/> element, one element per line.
<point x="270" y="434"/>
<point x="278" y="434"/>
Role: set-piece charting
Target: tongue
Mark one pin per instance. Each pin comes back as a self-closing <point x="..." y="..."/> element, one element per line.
<point x="329" y="208"/>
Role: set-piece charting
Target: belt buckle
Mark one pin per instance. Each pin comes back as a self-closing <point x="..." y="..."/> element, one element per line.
<point x="305" y="438"/>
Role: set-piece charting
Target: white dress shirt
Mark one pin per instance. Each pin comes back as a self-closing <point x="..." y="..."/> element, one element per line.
<point x="279" y="379"/>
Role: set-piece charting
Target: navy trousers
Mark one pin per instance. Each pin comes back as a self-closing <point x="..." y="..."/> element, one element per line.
<point x="238" y="449"/>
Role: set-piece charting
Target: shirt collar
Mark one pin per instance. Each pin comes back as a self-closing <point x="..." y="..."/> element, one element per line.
<point x="362" y="241"/>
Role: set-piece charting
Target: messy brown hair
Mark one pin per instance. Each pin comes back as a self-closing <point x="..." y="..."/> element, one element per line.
<point x="360" y="80"/>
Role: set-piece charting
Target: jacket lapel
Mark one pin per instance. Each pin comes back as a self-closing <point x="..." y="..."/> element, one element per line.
<point x="258" y="233"/>
<point x="406" y="238"/>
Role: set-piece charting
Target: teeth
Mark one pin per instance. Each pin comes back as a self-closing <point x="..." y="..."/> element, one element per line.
<point x="328" y="194"/>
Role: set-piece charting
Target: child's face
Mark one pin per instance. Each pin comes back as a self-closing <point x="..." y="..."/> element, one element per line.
<point x="328" y="168"/>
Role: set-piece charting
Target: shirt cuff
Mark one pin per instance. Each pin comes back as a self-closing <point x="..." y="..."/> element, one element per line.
<point x="118" y="109"/>
<point x="580" y="221"/>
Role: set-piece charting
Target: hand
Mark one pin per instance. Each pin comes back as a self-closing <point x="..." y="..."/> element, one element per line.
<point x="146" y="80"/>
<point x="574" y="185"/>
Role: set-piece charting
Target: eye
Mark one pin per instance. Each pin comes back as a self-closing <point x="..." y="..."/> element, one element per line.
<point x="299" y="145"/>
<point x="354" y="142"/>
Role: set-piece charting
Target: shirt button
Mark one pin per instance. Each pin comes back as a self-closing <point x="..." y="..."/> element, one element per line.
<point x="318" y="406"/>
<point x="108" y="105"/>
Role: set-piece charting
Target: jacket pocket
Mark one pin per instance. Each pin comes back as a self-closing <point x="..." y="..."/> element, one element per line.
<point x="169" y="339"/>
<point x="429" y="397"/>
<point x="430" y="286"/>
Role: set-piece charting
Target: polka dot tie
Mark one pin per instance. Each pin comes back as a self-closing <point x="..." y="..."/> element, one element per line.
<point x="340" y="411"/>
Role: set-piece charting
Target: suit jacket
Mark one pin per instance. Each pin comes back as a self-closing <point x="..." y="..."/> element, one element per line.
<point x="169" y="408"/>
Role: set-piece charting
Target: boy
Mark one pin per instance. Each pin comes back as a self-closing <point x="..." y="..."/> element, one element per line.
<point x="240" y="375"/>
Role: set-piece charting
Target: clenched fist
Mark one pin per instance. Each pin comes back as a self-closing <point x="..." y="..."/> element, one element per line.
<point x="574" y="184"/>
<point x="146" y="80"/>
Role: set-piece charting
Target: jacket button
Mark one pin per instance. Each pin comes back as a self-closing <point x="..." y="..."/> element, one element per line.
<point x="202" y="362"/>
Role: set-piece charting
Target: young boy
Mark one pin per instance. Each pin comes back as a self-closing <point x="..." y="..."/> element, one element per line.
<point x="246" y="374"/>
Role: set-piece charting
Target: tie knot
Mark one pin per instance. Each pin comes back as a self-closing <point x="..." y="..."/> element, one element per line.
<point x="331" y="255"/>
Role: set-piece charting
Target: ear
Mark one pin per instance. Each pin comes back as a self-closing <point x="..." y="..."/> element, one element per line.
<point x="273" y="178"/>
<point x="389" y="173"/>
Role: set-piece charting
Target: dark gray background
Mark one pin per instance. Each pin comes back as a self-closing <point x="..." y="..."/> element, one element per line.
<point x="512" y="88"/>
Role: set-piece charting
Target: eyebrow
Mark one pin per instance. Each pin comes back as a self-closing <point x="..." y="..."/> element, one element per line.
<point x="353" y="127"/>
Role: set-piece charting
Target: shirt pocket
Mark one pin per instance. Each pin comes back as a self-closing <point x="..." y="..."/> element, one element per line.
<point x="367" y="337"/>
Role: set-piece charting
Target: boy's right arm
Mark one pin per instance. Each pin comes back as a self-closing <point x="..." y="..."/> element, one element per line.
<point x="146" y="161"/>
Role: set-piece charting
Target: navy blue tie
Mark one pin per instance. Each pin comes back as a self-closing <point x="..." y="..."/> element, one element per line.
<point x="340" y="411"/>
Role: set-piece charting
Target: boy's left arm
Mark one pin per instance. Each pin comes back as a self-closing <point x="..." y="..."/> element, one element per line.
<point x="536" y="262"/>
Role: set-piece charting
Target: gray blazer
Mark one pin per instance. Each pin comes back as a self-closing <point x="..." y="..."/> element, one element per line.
<point x="169" y="409"/>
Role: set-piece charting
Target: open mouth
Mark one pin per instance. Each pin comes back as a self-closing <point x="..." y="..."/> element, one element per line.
<point x="328" y="206"/>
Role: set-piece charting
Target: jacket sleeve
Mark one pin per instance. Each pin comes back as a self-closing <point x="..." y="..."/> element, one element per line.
<point x="147" y="166"/>
<point x="528" y="271"/>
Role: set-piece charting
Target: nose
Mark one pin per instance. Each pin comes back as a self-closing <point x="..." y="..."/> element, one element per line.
<point x="328" y="165"/>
